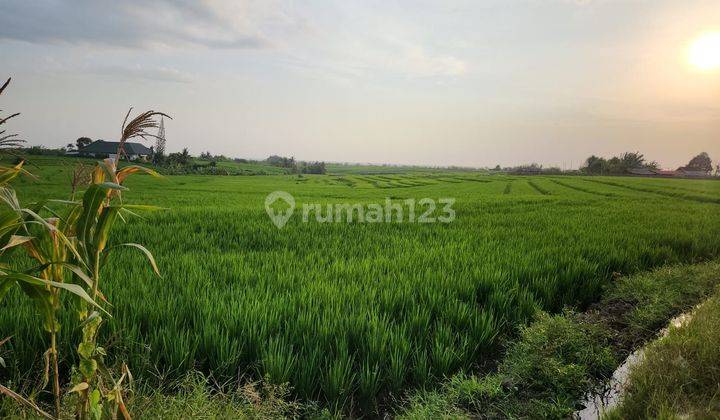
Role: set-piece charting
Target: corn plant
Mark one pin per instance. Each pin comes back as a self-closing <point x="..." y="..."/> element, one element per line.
<point x="68" y="251"/>
<point x="8" y="141"/>
<point x="93" y="220"/>
<point x="137" y="128"/>
<point x="49" y="247"/>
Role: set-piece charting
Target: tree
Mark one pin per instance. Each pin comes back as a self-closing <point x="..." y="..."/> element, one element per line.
<point x="617" y="164"/>
<point x="312" y="168"/>
<point x="82" y="142"/>
<point x="594" y="165"/>
<point x="632" y="160"/>
<point x="701" y="162"/>
<point x="179" y="158"/>
<point x="70" y="147"/>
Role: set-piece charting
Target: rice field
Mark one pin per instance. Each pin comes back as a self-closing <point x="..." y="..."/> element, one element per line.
<point x="351" y="313"/>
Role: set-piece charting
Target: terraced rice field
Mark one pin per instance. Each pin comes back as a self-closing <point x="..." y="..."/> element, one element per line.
<point x="349" y="313"/>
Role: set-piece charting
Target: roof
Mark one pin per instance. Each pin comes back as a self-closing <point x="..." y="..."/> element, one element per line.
<point x="641" y="171"/>
<point x="691" y="172"/>
<point x="527" y="170"/>
<point x="111" y="147"/>
<point x="666" y="172"/>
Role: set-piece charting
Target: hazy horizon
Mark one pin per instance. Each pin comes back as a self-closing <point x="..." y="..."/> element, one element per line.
<point x="408" y="83"/>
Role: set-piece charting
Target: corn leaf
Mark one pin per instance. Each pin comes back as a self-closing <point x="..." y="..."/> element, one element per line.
<point x="16" y="240"/>
<point x="104" y="224"/>
<point x="36" y="281"/>
<point x="145" y="251"/>
<point x="60" y="234"/>
<point x="126" y="171"/>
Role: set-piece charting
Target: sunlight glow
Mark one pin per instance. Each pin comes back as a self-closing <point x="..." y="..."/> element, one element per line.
<point x="704" y="52"/>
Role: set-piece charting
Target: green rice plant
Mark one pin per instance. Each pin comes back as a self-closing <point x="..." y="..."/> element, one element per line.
<point x="508" y="188"/>
<point x="582" y="189"/>
<point x="422" y="371"/>
<point x="369" y="381"/>
<point x="278" y="362"/>
<point x="666" y="193"/>
<point x="340" y="377"/>
<point x="538" y="188"/>
<point x="454" y="291"/>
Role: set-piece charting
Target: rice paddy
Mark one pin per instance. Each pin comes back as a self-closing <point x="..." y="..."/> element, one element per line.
<point x="350" y="313"/>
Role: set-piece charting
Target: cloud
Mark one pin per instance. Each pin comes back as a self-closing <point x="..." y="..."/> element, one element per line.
<point x="137" y="23"/>
<point x="154" y="74"/>
<point x="417" y="61"/>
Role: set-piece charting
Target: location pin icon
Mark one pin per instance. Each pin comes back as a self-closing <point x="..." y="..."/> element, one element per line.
<point x="279" y="218"/>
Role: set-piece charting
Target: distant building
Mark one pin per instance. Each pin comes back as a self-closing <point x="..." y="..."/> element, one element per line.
<point x="102" y="148"/>
<point x="692" y="173"/>
<point x="526" y="170"/>
<point x="641" y="171"/>
<point x="679" y="173"/>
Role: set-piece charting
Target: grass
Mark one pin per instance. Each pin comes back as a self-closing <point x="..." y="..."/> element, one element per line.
<point x="680" y="375"/>
<point x="194" y="396"/>
<point x="558" y="359"/>
<point x="353" y="315"/>
<point x="553" y="363"/>
<point x="659" y="295"/>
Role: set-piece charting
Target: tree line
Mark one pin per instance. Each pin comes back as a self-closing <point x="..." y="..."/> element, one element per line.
<point x="617" y="165"/>
<point x="296" y="167"/>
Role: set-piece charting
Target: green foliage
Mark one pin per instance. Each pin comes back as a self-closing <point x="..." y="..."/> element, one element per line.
<point x="65" y="252"/>
<point x="701" y="162"/>
<point x="404" y="305"/>
<point x="617" y="165"/>
<point x="552" y="365"/>
<point x="82" y="142"/>
<point x="680" y="375"/>
<point x="558" y="359"/>
<point x="661" y="294"/>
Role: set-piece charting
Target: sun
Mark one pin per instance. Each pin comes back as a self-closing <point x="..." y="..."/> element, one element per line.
<point x="704" y="52"/>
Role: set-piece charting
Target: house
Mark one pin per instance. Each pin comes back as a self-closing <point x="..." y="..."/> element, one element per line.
<point x="641" y="172"/>
<point x="102" y="148"/>
<point x="666" y="173"/>
<point x="692" y="173"/>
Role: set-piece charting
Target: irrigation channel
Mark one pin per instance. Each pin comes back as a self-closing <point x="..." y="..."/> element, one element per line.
<point x="609" y="396"/>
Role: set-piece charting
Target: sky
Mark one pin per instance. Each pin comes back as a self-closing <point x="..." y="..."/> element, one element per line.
<point x="467" y="83"/>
